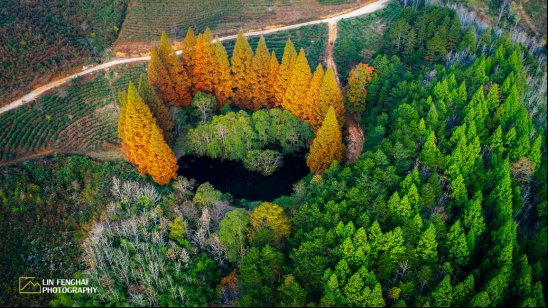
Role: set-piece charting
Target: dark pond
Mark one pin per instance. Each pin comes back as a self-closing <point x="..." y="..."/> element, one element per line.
<point x="232" y="177"/>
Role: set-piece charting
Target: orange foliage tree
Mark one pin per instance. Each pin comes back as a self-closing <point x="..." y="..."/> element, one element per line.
<point x="199" y="66"/>
<point x="327" y="145"/>
<point x="142" y="140"/>
<point x="296" y="89"/>
<point x="284" y="72"/>
<point x="187" y="54"/>
<point x="242" y="71"/>
<point x="330" y="96"/>
<point x="167" y="75"/>
<point x="274" y="70"/>
<point x="313" y="96"/>
<point x="210" y="61"/>
<point x="261" y="68"/>
<point x="135" y="123"/>
<point x="161" y="162"/>
<point x="223" y="79"/>
<point x="159" y="111"/>
<point x="355" y="90"/>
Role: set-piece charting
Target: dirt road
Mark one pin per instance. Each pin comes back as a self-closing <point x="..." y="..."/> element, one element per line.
<point x="329" y="59"/>
<point x="366" y="9"/>
<point x="353" y="133"/>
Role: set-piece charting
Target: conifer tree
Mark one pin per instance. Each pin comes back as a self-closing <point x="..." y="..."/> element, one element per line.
<point x="223" y="80"/>
<point x="210" y="60"/>
<point x="138" y="122"/>
<point x="205" y="64"/>
<point x="159" y="111"/>
<point x="274" y="70"/>
<point x="443" y="294"/>
<point x="457" y="246"/>
<point x="284" y="73"/>
<point x="356" y="91"/>
<point x="330" y="96"/>
<point x="161" y="164"/>
<point x="312" y="98"/>
<point x="187" y="55"/>
<point x="242" y="72"/>
<point x="427" y="246"/>
<point x="430" y="154"/>
<point x="295" y="95"/>
<point x="167" y="75"/>
<point x="261" y="68"/>
<point x="199" y="67"/>
<point x="327" y="146"/>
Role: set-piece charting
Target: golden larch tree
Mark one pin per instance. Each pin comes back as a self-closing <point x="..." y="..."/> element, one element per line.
<point x="161" y="163"/>
<point x="355" y="91"/>
<point x="327" y="145"/>
<point x="261" y="69"/>
<point x="313" y="95"/>
<point x="210" y="61"/>
<point x="138" y="122"/>
<point x="284" y="72"/>
<point x="199" y="67"/>
<point x="189" y="44"/>
<point x="223" y="79"/>
<point x="296" y="89"/>
<point x="274" y="69"/>
<point x="167" y="75"/>
<point x="242" y="72"/>
<point x="330" y="96"/>
<point x="159" y="111"/>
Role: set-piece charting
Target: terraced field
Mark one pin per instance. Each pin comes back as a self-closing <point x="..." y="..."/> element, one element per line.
<point x="311" y="38"/>
<point x="146" y="19"/>
<point x="80" y="117"/>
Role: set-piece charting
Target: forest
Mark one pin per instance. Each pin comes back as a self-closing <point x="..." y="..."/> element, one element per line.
<point x="444" y="206"/>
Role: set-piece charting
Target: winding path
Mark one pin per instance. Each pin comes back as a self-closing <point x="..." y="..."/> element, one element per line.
<point x="366" y="9"/>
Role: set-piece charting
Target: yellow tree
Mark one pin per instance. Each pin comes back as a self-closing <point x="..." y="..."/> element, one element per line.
<point x="223" y="79"/>
<point x="187" y="54"/>
<point x="296" y="89"/>
<point x="330" y="96"/>
<point x="261" y="69"/>
<point x="327" y="145"/>
<point x="210" y="61"/>
<point x="167" y="75"/>
<point x="284" y="73"/>
<point x="159" y="111"/>
<point x="271" y="217"/>
<point x="274" y="69"/>
<point x="161" y="164"/>
<point x="138" y="122"/>
<point x="355" y="90"/>
<point x="313" y="95"/>
<point x="199" y="67"/>
<point x="242" y="71"/>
